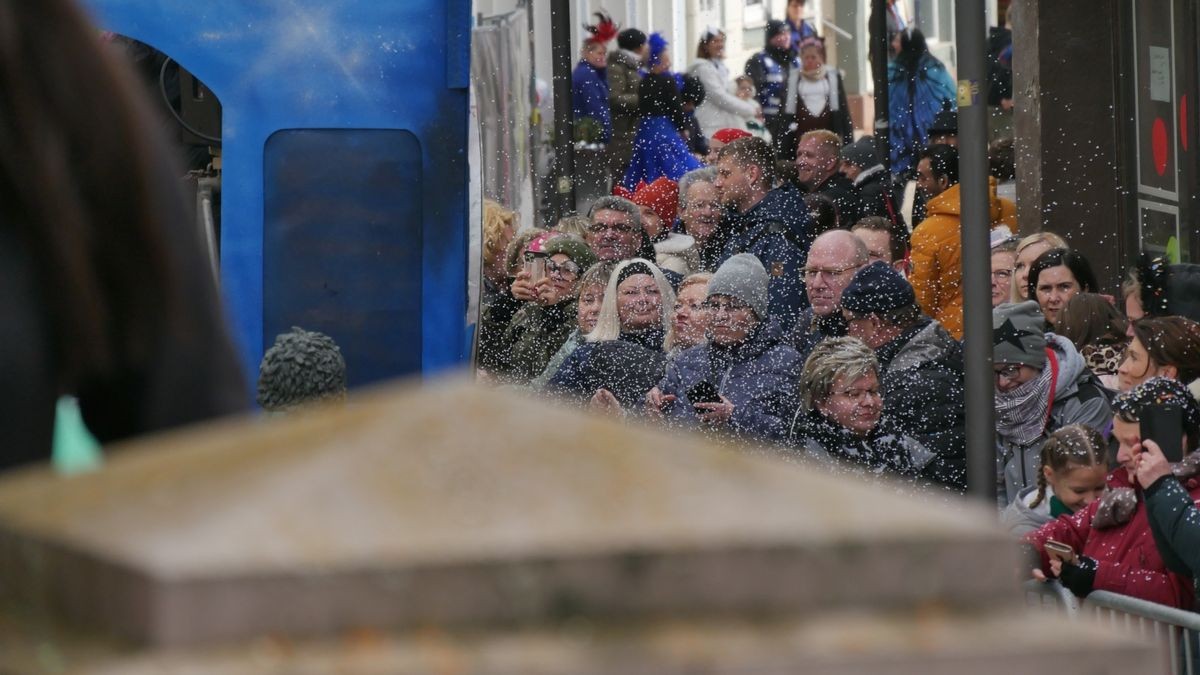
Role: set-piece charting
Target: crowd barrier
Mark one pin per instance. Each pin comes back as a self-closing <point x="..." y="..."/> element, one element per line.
<point x="1178" y="631"/>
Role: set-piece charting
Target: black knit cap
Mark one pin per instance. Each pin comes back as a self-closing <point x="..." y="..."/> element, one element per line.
<point x="633" y="268"/>
<point x="775" y="27"/>
<point x="877" y="289"/>
<point x="631" y="39"/>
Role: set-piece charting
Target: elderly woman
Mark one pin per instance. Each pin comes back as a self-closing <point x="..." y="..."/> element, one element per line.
<point x="1112" y="541"/>
<point x="743" y="379"/>
<point x="623" y="357"/>
<point x="841" y="419"/>
<point x="700" y="213"/>
<point x="541" y="327"/>
<point x="689" y="321"/>
<point x="1042" y="384"/>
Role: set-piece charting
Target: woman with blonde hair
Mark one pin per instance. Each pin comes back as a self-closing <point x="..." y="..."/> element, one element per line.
<point x="1028" y="251"/>
<point x="623" y="356"/>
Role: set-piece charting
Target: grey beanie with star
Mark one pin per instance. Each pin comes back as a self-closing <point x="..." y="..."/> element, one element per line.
<point x="742" y="277"/>
<point x="1018" y="334"/>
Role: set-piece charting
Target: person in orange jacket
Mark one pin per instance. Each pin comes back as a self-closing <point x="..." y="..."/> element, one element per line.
<point x="936" y="242"/>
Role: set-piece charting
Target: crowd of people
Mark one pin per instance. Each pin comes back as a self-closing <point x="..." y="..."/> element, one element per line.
<point x="765" y="290"/>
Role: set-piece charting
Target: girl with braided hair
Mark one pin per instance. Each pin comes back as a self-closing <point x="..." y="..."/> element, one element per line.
<point x="1072" y="475"/>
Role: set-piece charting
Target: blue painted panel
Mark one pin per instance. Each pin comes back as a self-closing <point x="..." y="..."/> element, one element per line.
<point x="327" y="64"/>
<point x="342" y="245"/>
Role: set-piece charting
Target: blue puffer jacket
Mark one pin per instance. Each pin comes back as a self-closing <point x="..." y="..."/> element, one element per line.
<point x="779" y="232"/>
<point x="589" y="97"/>
<point x="759" y="376"/>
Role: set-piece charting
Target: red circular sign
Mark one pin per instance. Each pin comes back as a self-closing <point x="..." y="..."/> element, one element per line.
<point x="1158" y="142"/>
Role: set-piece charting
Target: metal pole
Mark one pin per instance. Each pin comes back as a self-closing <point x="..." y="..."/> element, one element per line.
<point x="877" y="29"/>
<point x="971" y="27"/>
<point x="564" y="117"/>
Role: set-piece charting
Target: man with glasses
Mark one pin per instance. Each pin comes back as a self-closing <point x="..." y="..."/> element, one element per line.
<point x="920" y="367"/>
<point x="832" y="261"/>
<point x="743" y="380"/>
<point x="1042" y="384"/>
<point x="615" y="234"/>
<point x="771" y="224"/>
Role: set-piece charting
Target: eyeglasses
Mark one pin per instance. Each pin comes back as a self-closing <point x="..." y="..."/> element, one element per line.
<point x="566" y="268"/>
<point x="617" y="228"/>
<point x="831" y="273"/>
<point x="1008" y="371"/>
<point x="729" y="306"/>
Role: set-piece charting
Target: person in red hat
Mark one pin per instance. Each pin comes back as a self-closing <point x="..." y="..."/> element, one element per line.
<point x="720" y="139"/>
<point x="659" y="202"/>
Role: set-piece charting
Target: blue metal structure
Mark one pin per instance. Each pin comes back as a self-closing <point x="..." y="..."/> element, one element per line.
<point x="344" y="178"/>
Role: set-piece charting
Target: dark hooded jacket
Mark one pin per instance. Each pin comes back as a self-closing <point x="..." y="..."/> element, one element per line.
<point x="778" y="231"/>
<point x="759" y="376"/>
<point x="629" y="367"/>
<point x="884" y="450"/>
<point x="532" y="338"/>
<point x="921" y="376"/>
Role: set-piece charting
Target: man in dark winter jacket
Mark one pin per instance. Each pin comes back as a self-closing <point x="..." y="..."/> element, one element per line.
<point x="877" y="195"/>
<point x="752" y="373"/>
<point x="832" y="261"/>
<point x="769" y="70"/>
<point x="817" y="172"/>
<point x="771" y="224"/>
<point x="920" y="367"/>
<point x="624" y="76"/>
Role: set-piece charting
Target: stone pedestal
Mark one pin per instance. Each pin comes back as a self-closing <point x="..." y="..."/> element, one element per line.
<point x="456" y="529"/>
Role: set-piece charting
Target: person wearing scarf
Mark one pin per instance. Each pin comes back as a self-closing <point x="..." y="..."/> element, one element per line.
<point x="1042" y="384"/>
<point x="770" y="70"/>
<point x="816" y="97"/>
<point x="1113" y="539"/>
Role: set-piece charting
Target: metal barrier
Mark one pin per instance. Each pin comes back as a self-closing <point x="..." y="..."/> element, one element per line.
<point x="1177" y="630"/>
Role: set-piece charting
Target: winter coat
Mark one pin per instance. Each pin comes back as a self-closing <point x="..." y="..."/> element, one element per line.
<point x="1175" y="523"/>
<point x="574" y="340"/>
<point x="532" y="338"/>
<point x="658" y="96"/>
<point x="811" y="329"/>
<point x="1020" y="518"/>
<point x="837" y="107"/>
<point x="589" y="97"/>
<point x="628" y="367"/>
<point x="1128" y="560"/>
<point x="493" y="324"/>
<point x="914" y="100"/>
<point x="921" y="376"/>
<point x="937" y="254"/>
<point x="759" y="376"/>
<point x="623" y="81"/>
<point x="883" y="450"/>
<point x="676" y="253"/>
<point x="840" y="190"/>
<point x="779" y="232"/>
<point x="872" y="188"/>
<point x="1078" y="399"/>
<point x="769" y="70"/>
<point x="721" y="109"/>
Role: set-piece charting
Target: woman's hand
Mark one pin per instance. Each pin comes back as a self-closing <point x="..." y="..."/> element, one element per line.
<point x="545" y="291"/>
<point x="1151" y="463"/>
<point x="1055" y="571"/>
<point x="605" y="403"/>
<point x="656" y="401"/>
<point x="523" y="289"/>
<point x="715" y="414"/>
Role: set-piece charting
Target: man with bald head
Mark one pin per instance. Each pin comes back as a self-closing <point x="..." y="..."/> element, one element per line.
<point x="832" y="261"/>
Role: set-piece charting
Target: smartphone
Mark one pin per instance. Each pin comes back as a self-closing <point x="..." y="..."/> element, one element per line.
<point x="536" y="268"/>
<point x="703" y="392"/>
<point x="1057" y="549"/>
<point x="1163" y="424"/>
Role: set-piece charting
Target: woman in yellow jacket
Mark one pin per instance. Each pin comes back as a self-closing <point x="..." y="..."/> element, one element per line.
<point x="936" y="242"/>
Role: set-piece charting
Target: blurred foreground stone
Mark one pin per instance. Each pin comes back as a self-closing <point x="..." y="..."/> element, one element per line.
<point x="452" y="529"/>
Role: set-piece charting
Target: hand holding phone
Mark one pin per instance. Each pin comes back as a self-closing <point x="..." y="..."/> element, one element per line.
<point x="1163" y="424"/>
<point x="1060" y="551"/>
<point x="703" y="392"/>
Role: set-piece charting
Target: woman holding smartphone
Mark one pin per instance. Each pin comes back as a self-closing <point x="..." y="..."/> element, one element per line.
<point x="1171" y="509"/>
<point x="1109" y="545"/>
